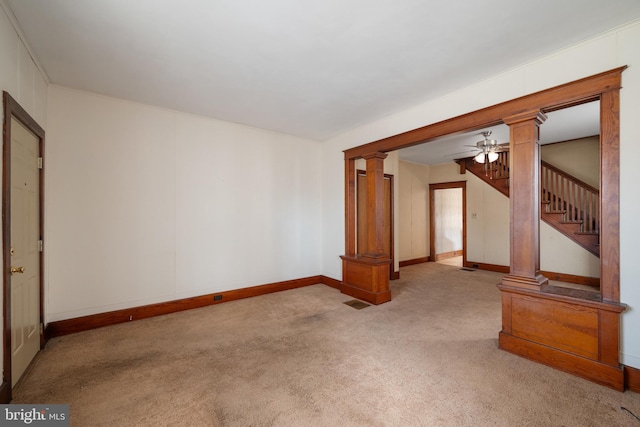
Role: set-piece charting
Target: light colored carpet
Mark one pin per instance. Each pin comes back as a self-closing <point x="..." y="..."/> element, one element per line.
<point x="303" y="358"/>
<point x="455" y="261"/>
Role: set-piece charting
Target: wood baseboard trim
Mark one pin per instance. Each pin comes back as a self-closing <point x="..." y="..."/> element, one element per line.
<point x="414" y="261"/>
<point x="572" y="278"/>
<point x="632" y="379"/>
<point x="5" y="393"/>
<point x="395" y="275"/>
<point x="487" y="267"/>
<point x="85" y="323"/>
<point x="598" y="372"/>
<point x="330" y="282"/>
<point x="562" y="277"/>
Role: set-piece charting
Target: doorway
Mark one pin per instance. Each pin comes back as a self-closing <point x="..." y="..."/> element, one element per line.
<point x="447" y="223"/>
<point x="388" y="218"/>
<point x="22" y="204"/>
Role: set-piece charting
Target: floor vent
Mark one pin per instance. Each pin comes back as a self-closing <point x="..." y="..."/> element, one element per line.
<point x="358" y="305"/>
<point x="467" y="269"/>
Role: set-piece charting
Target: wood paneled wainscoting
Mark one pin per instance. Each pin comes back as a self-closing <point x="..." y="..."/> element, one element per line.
<point x="572" y="334"/>
<point x="577" y="332"/>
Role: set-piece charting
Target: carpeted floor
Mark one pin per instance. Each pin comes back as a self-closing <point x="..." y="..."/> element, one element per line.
<point x="303" y="358"/>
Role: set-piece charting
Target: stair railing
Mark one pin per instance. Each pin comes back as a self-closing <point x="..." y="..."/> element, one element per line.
<point x="579" y="200"/>
<point x="500" y="168"/>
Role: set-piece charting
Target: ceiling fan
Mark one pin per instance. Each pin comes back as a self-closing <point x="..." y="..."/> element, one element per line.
<point x="488" y="149"/>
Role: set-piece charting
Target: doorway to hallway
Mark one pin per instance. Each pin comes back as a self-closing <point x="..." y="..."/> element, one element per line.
<point x="447" y="222"/>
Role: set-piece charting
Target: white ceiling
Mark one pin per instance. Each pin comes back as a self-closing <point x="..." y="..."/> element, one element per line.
<point x="306" y="68"/>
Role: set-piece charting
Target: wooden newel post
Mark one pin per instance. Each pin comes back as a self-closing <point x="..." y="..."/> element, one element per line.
<point x="524" y="199"/>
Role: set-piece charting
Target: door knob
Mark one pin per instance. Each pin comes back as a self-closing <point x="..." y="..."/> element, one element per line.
<point x="17" y="270"/>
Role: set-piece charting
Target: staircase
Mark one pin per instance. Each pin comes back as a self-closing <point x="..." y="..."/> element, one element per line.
<point x="569" y="205"/>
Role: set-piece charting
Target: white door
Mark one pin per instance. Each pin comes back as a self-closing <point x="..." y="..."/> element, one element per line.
<point x="25" y="251"/>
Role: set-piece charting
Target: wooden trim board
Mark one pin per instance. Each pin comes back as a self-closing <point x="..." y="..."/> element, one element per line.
<point x="561" y="277"/>
<point x="330" y="282"/>
<point x="572" y="278"/>
<point x="488" y="267"/>
<point x="562" y="96"/>
<point x="414" y="261"/>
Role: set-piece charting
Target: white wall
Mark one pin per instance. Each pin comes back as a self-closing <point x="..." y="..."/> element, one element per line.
<point x="610" y="50"/>
<point x="20" y="77"/>
<point x="146" y="205"/>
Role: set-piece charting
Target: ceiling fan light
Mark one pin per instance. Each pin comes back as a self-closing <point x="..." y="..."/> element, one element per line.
<point x="493" y="156"/>
<point x="479" y="158"/>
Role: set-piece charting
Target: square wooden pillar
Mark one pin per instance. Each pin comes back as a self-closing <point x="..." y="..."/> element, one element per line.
<point x="524" y="199"/>
<point x="366" y="276"/>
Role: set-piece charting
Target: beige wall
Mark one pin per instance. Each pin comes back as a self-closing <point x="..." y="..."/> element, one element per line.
<point x="487" y="213"/>
<point x="414" y="211"/>
<point x="487" y="223"/>
<point x="580" y="158"/>
<point x="487" y="216"/>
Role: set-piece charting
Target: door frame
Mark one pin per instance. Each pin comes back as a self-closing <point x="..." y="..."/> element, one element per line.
<point x="432" y="222"/>
<point x="13" y="110"/>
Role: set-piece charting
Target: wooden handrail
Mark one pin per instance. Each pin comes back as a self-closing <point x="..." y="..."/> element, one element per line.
<point x="570" y="177"/>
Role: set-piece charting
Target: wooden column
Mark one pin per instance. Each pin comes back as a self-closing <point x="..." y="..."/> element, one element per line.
<point x="524" y="190"/>
<point x="610" y="195"/>
<point x="350" y="207"/>
<point x="375" y="205"/>
<point x="367" y="276"/>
